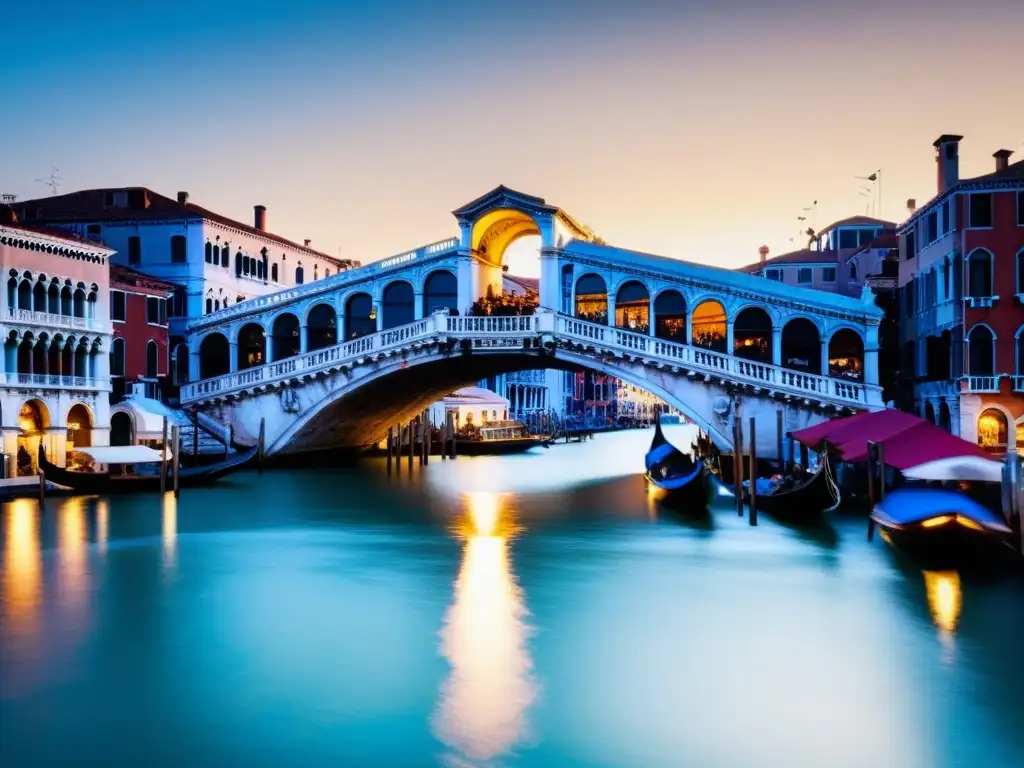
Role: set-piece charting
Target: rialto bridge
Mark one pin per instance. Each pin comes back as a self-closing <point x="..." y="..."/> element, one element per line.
<point x="336" y="362"/>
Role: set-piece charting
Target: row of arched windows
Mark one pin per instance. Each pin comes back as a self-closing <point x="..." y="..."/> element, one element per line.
<point x="256" y="268"/>
<point x="51" y="295"/>
<point x="44" y="355"/>
<point x="117" y="358"/>
<point x="752" y="339"/>
<point x="981" y="351"/>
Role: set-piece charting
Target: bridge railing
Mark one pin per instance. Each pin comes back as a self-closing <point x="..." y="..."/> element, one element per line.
<point x="512" y="330"/>
<point x="714" y="363"/>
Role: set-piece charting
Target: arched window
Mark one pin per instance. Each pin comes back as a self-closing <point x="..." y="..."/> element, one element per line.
<point x="846" y="355"/>
<point x="801" y="346"/>
<point x="979" y="274"/>
<point x="398" y="304"/>
<point x="853" y="270"/>
<point x="252" y="346"/>
<point x="945" y="420"/>
<point x="929" y="412"/>
<point x="298" y="274"/>
<point x="209" y="305"/>
<point x="981" y="343"/>
<point x="216" y="305"/>
<point x="53" y="299"/>
<point x="209" y="252"/>
<point x="993" y="429"/>
<point x="708" y="326"/>
<point x="213" y="356"/>
<point x="25" y="295"/>
<point x="633" y="307"/>
<point x="152" y="360"/>
<point x="12" y="292"/>
<point x="225" y="255"/>
<point x="752" y="335"/>
<point x="1020" y="266"/>
<point x="238" y="264"/>
<point x="360" y="319"/>
<point x="67" y="302"/>
<point x="273" y="273"/>
<point x="215" y="260"/>
<point x="117" y="357"/>
<point x="285" y="335"/>
<point x="321" y="327"/>
<point x="327" y="273"/>
<point x="670" y="316"/>
<point x="592" y="299"/>
<point x="79" y="306"/>
<point x="440" y="291"/>
<point x="121" y="428"/>
<point x="39" y="297"/>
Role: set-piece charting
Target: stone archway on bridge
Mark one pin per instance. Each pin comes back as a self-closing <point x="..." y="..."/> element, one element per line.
<point x="496" y="230"/>
<point x="633" y="307"/>
<point x="398" y="304"/>
<point x="846" y="355"/>
<point x="592" y="299"/>
<point x="708" y="325"/>
<point x="670" y="316"/>
<point x="252" y="346"/>
<point x="752" y="335"/>
<point x="214" y="356"/>
<point x="440" y="291"/>
<point x="801" y="346"/>
<point x="360" y="318"/>
<point x="285" y="337"/>
<point x="321" y="327"/>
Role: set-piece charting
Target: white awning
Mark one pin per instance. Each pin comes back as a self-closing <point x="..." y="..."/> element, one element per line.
<point x="958" y="468"/>
<point x="122" y="454"/>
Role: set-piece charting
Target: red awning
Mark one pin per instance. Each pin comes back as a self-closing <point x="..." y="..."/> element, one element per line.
<point x="911" y="447"/>
<point x="876" y="426"/>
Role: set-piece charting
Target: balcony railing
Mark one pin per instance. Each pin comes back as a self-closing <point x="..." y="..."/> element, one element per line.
<point x="53" y="320"/>
<point x="1018" y="383"/>
<point x="53" y="381"/>
<point x="982" y="384"/>
<point x="508" y="333"/>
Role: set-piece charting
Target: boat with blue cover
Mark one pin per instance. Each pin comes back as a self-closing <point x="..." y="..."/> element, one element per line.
<point x="674" y="478"/>
<point x="941" y="527"/>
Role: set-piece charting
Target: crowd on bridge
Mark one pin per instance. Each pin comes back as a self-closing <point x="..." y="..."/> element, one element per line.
<point x="506" y="305"/>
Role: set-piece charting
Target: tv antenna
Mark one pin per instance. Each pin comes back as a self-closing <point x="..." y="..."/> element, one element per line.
<point x="874" y="178"/>
<point x="53" y="180"/>
<point x="8" y="199"/>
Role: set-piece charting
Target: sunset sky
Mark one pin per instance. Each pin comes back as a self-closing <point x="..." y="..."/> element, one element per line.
<point x="695" y="129"/>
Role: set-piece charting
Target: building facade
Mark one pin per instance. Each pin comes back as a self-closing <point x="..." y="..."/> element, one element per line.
<point x="961" y="275"/>
<point x="214" y="261"/>
<point x="57" y="333"/>
<point x="139" y="350"/>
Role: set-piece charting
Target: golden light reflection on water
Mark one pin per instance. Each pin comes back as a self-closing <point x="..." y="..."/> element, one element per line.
<point x="73" y="551"/>
<point x="102" y="525"/>
<point x="169" y="528"/>
<point x="485" y="699"/>
<point x="23" y="565"/>
<point x="945" y="600"/>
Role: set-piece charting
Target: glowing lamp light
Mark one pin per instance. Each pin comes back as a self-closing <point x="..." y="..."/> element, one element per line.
<point x="935" y="522"/>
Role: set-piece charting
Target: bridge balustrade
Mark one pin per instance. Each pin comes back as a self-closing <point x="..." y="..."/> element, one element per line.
<point x="505" y="333"/>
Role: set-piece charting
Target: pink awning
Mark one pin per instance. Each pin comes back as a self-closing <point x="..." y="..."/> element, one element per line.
<point x="867" y="425"/>
<point x="911" y="447"/>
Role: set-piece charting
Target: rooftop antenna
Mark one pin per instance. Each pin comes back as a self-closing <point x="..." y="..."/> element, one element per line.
<point x="874" y="178"/>
<point x="8" y="199"/>
<point x="53" y="180"/>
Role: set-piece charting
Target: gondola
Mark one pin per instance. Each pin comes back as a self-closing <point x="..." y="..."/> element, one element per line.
<point x="801" y="499"/>
<point x="103" y="483"/>
<point x="943" y="529"/>
<point x="673" y="478"/>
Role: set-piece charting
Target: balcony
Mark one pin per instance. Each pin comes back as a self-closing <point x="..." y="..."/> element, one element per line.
<point x="1018" y="383"/>
<point x="55" y="321"/>
<point x="981" y="302"/>
<point x="982" y="384"/>
<point x="53" y="381"/>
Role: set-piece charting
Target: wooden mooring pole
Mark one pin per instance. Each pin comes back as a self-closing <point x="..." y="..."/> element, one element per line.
<point x="42" y="489"/>
<point x="871" y="488"/>
<point x="455" y="439"/>
<point x="737" y="463"/>
<point x="753" y="470"/>
<point x="779" y="440"/>
<point x="163" y="461"/>
<point x="175" y="446"/>
<point x="389" y="445"/>
<point x="428" y="436"/>
<point x="411" y="436"/>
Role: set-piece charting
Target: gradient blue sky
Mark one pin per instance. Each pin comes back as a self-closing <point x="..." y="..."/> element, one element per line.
<point x="695" y="129"/>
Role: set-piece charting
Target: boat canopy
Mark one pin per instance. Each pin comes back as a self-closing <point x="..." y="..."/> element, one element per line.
<point x="906" y="506"/>
<point x="123" y="454"/>
<point x="970" y="468"/>
<point x="908" y="439"/>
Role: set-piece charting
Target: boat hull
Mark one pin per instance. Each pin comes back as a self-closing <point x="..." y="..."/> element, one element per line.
<point x="498" y="447"/>
<point x="949" y="547"/>
<point x="802" y="505"/>
<point x="693" y="498"/>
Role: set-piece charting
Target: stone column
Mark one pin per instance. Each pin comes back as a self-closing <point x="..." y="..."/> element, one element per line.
<point x="193" y="364"/>
<point x="651" y="321"/>
<point x="303" y="338"/>
<point x="550" y="288"/>
<point x="871" y="357"/>
<point x="777" y="346"/>
<point x="824" y="358"/>
<point x="611" y="310"/>
<point x="689" y="328"/>
<point x="380" y="314"/>
<point x="232" y="356"/>
<point x="730" y="341"/>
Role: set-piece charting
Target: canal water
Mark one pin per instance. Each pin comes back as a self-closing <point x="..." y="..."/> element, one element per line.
<point x="532" y="610"/>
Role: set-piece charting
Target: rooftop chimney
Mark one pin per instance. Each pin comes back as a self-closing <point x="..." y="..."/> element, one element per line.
<point x="306" y="242"/>
<point x="763" y="250"/>
<point x="183" y="197"/>
<point x="261" y="217"/>
<point x="947" y="158"/>
<point x="911" y="205"/>
<point x="1002" y="157"/>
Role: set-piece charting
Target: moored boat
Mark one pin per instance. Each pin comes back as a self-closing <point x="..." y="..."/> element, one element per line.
<point x="497" y="439"/>
<point x="673" y="478"/>
<point x="131" y="481"/>
<point x="942" y="529"/>
<point x="801" y="497"/>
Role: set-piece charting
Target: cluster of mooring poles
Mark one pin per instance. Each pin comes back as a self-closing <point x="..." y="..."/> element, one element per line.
<point x="417" y="438"/>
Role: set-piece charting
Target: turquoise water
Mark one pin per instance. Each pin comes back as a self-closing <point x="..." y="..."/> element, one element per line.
<point x="519" y="611"/>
